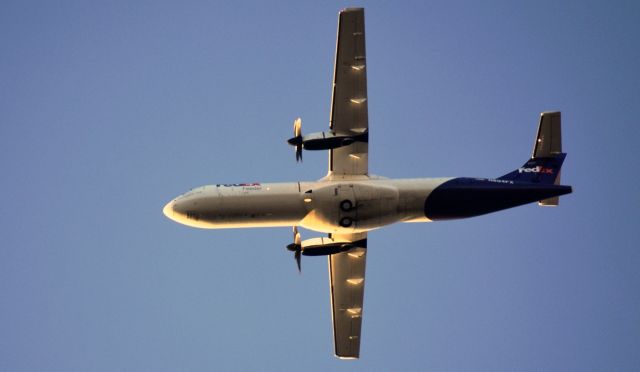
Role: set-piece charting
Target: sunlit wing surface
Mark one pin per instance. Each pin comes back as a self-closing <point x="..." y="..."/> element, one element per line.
<point x="346" y="273"/>
<point x="349" y="106"/>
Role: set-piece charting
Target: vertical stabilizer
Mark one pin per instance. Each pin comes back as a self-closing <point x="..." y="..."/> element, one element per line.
<point x="549" y="139"/>
<point x="546" y="160"/>
<point x="549" y="144"/>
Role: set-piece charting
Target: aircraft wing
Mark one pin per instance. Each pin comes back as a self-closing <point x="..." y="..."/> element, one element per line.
<point x="349" y="108"/>
<point x="346" y="281"/>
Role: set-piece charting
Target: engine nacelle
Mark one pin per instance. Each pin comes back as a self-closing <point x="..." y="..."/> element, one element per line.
<point x="328" y="140"/>
<point x="325" y="246"/>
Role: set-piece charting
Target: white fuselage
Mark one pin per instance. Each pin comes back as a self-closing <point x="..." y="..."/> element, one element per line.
<point x="329" y="206"/>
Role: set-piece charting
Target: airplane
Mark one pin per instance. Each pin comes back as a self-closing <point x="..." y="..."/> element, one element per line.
<point x="349" y="201"/>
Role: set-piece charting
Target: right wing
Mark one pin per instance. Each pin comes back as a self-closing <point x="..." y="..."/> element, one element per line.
<point x="346" y="275"/>
<point x="349" y="108"/>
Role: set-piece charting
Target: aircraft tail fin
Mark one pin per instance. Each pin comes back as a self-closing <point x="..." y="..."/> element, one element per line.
<point x="546" y="160"/>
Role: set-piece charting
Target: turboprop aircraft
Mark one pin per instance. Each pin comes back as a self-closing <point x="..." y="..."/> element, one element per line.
<point x="349" y="201"/>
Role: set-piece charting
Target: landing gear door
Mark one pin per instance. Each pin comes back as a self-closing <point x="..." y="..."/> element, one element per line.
<point x="346" y="203"/>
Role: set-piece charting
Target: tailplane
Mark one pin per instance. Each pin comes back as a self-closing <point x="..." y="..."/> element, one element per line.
<point x="546" y="160"/>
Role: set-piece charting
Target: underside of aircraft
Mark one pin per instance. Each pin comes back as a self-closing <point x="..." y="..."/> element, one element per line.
<point x="349" y="201"/>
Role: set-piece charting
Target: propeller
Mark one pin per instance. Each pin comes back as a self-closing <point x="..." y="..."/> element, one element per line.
<point x="296" y="247"/>
<point x="297" y="138"/>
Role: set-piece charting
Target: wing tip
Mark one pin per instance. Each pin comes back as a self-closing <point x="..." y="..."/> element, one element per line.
<point x="345" y="357"/>
<point x="355" y="9"/>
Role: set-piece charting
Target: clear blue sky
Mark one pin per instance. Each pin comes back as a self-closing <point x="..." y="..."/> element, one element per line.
<point x="110" y="109"/>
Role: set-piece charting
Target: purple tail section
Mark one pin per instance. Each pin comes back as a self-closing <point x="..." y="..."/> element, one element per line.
<point x="543" y="170"/>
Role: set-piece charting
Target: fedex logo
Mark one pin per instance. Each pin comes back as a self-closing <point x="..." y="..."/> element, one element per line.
<point x="538" y="169"/>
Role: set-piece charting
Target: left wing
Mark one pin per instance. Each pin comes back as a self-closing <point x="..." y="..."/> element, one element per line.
<point x="349" y="109"/>
<point x="346" y="281"/>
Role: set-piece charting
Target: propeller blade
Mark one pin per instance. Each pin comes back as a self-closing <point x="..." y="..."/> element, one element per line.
<point x="297" y="127"/>
<point x="296" y="236"/>
<point x="299" y="153"/>
<point x="297" y="137"/>
<point x="296" y="248"/>
<point x="297" y="256"/>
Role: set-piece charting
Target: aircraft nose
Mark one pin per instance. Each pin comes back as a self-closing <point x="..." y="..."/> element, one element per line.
<point x="176" y="210"/>
<point x="168" y="209"/>
<point x="181" y="210"/>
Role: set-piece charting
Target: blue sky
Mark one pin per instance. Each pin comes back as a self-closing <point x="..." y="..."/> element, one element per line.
<point x="109" y="110"/>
